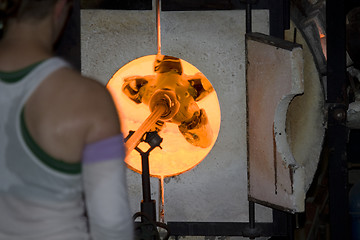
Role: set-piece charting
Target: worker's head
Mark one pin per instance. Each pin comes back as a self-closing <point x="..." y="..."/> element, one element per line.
<point x="33" y="12"/>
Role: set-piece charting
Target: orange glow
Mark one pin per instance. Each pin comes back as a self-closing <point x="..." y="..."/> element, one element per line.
<point x="322" y="37"/>
<point x="177" y="155"/>
<point x="323" y="44"/>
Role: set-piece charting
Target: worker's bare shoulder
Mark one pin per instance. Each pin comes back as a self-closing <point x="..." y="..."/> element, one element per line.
<point x="70" y="78"/>
<point x="92" y="93"/>
<point x="68" y="111"/>
<point x="82" y="91"/>
<point x="87" y="100"/>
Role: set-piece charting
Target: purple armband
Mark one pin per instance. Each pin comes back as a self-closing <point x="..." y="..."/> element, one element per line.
<point x="104" y="150"/>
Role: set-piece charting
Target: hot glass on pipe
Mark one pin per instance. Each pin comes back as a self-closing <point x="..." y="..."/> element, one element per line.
<point x="172" y="97"/>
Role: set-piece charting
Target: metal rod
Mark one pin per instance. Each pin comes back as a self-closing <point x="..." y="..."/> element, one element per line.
<point x="248" y="18"/>
<point x="145" y="177"/>
<point x="251" y="214"/>
<point x="161" y="198"/>
<point x="134" y="140"/>
<point x="252" y="217"/>
<point x="295" y="34"/>
<point x="158" y="26"/>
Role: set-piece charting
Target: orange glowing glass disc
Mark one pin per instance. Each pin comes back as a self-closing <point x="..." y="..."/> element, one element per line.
<point x="177" y="155"/>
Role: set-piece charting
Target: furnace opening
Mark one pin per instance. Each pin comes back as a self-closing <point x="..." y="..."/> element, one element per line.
<point x="171" y="96"/>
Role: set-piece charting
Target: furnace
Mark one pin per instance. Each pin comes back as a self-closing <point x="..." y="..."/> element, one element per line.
<point x="216" y="189"/>
<point x="202" y="179"/>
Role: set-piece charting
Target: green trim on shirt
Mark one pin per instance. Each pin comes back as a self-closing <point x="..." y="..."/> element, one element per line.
<point x="61" y="166"/>
<point x="15" y="76"/>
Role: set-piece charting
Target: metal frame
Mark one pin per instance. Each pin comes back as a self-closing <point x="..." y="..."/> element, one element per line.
<point x="283" y="223"/>
<point x="282" y="226"/>
<point x="337" y="132"/>
<point x="279" y="11"/>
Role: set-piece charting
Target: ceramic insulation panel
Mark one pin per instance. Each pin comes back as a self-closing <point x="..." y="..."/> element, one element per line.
<point x="274" y="78"/>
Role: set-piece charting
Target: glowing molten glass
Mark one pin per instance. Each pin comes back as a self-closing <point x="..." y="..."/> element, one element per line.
<point x="134" y="88"/>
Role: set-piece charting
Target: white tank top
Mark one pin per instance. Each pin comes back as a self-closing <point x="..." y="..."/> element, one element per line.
<point x="37" y="201"/>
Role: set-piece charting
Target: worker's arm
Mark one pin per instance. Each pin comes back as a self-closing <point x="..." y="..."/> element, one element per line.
<point x="106" y="193"/>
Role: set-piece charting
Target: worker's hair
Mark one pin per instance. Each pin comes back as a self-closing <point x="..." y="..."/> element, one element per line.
<point x="23" y="9"/>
